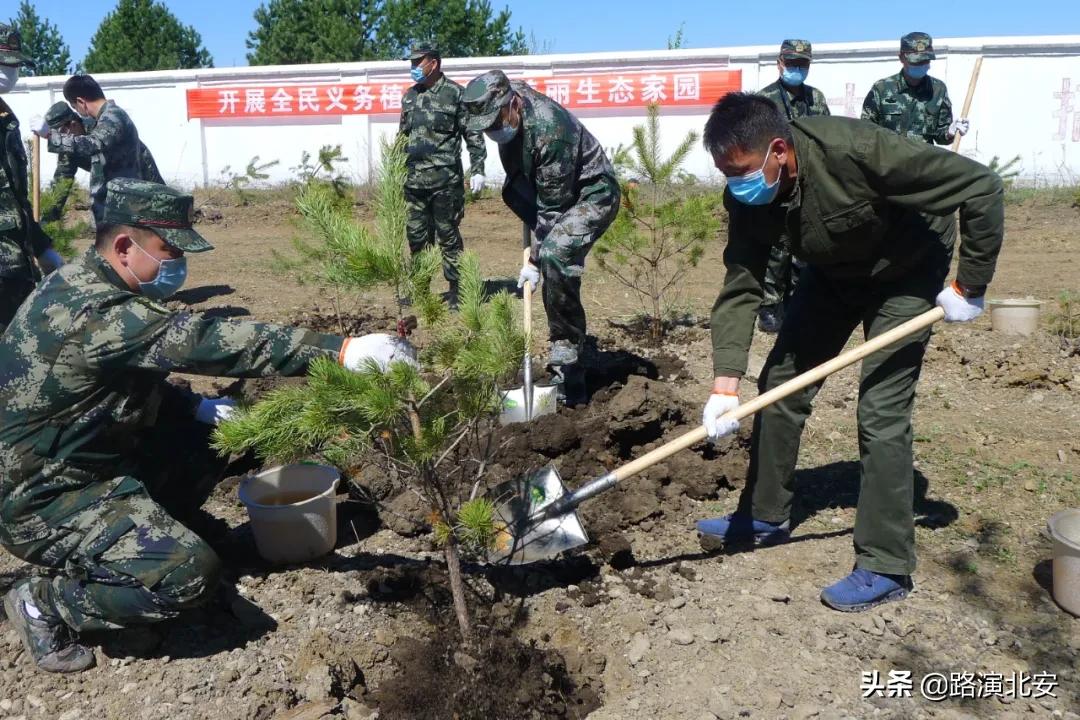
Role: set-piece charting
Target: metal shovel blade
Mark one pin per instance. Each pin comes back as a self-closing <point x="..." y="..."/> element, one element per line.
<point x="514" y="407"/>
<point x="525" y="533"/>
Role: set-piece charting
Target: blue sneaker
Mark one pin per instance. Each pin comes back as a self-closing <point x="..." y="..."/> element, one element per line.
<point x="738" y="528"/>
<point x="863" y="589"/>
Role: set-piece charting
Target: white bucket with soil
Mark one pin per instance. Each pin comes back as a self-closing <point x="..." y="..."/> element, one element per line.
<point x="1014" y="317"/>
<point x="293" y="511"/>
<point x="1064" y="528"/>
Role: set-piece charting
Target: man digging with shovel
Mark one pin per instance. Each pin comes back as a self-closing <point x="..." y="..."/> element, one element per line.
<point x="855" y="201"/>
<point x="560" y="183"/>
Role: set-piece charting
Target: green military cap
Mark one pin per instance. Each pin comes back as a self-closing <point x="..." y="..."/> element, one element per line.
<point x="160" y="208"/>
<point x="59" y="115"/>
<point x="422" y="49"/>
<point x="11" y="48"/>
<point x="484" y="97"/>
<point x="795" y="50"/>
<point x="917" y="47"/>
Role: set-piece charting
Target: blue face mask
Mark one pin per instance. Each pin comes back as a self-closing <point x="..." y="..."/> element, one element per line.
<point x="503" y="134"/>
<point x="917" y="72"/>
<point x="752" y="189"/>
<point x="794" y="76"/>
<point x="170" y="277"/>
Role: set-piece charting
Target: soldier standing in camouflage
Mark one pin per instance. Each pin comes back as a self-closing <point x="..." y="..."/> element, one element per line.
<point x="21" y="238"/>
<point x="917" y="106"/>
<point x="101" y="459"/>
<point x="796" y="99"/>
<point x="433" y="123"/>
<point x="561" y="184"/>
<point x="112" y="145"/>
<point x="62" y="119"/>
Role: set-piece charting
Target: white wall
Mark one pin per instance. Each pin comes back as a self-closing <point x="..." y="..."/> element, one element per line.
<point x="1027" y="103"/>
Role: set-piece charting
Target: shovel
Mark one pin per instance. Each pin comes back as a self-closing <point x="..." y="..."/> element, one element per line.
<point x="527" y="402"/>
<point x="535" y="515"/>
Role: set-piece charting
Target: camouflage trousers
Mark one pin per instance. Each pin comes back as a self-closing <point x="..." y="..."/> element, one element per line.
<point x="127" y="558"/>
<point x="17" y="279"/>
<point x="13" y="290"/>
<point x="434" y="215"/>
<point x="562" y="263"/>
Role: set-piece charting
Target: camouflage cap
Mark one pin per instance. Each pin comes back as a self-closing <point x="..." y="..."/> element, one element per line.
<point x="795" y="50"/>
<point x="917" y="47"/>
<point x="422" y="49"/>
<point x="59" y="115"/>
<point x="160" y="208"/>
<point x="484" y="97"/>
<point x="11" y="48"/>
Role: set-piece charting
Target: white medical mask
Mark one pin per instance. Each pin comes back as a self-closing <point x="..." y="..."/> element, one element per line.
<point x="9" y="75"/>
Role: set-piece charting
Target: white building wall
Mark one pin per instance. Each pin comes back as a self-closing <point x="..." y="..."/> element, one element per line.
<point x="1027" y="103"/>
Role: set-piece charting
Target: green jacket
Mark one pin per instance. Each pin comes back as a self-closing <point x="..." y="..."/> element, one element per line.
<point x="21" y="239"/>
<point x="923" y="112"/>
<point x="804" y="102"/>
<point x="558" y="179"/>
<point x="433" y="122"/>
<point x="856" y="212"/>
<point x="82" y="376"/>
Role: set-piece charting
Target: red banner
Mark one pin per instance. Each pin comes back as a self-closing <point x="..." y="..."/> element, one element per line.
<point x="671" y="88"/>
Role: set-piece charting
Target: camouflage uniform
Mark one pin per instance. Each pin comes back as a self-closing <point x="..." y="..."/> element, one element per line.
<point x="21" y="238"/>
<point x="561" y="184"/>
<point x="923" y="112"/>
<point x="68" y="163"/>
<point x="781" y="275"/>
<point x="100" y="458"/>
<point x="112" y="146"/>
<point x="433" y="123"/>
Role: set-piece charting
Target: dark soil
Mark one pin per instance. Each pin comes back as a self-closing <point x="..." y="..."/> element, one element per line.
<point x="499" y="678"/>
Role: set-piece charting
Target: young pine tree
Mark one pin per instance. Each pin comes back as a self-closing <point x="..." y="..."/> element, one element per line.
<point x="431" y="427"/>
<point x="660" y="232"/>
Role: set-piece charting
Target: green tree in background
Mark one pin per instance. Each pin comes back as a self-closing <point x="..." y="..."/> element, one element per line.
<point x="144" y="35"/>
<point x="314" y="31"/>
<point x="460" y="28"/>
<point x="42" y="42"/>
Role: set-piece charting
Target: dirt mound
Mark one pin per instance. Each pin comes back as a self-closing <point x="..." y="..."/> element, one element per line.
<point x="500" y="678"/>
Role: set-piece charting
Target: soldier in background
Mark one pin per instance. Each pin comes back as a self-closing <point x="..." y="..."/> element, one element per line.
<point x="433" y="123"/>
<point x="21" y="238"/>
<point x="112" y="145"/>
<point x="561" y="184"/>
<point x="917" y="106"/>
<point x="795" y="99"/>
<point x="62" y="119"/>
<point x="101" y="460"/>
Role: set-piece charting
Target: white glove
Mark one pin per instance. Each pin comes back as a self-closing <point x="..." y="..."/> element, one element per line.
<point x="529" y="274"/>
<point x="957" y="307"/>
<point x="50" y="260"/>
<point x="213" y="411"/>
<point x="39" y="127"/>
<point x="380" y="347"/>
<point x="960" y="126"/>
<point x="715" y="425"/>
<point x="476" y="183"/>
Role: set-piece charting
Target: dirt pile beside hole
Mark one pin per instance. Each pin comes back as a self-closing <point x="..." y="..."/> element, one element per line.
<point x="499" y="678"/>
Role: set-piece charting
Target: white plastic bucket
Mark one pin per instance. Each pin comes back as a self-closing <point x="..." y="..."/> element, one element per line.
<point x="1014" y="317"/>
<point x="1064" y="528"/>
<point x="297" y="531"/>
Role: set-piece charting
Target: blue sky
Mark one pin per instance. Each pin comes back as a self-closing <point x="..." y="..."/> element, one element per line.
<point x="584" y="25"/>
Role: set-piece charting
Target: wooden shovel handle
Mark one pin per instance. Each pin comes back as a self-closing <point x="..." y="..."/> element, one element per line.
<point x="967" y="99"/>
<point x="782" y="391"/>
<point x="36" y="167"/>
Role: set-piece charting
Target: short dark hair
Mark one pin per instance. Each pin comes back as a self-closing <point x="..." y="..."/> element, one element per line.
<point x="744" y="121"/>
<point x="82" y="86"/>
<point x="107" y="232"/>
